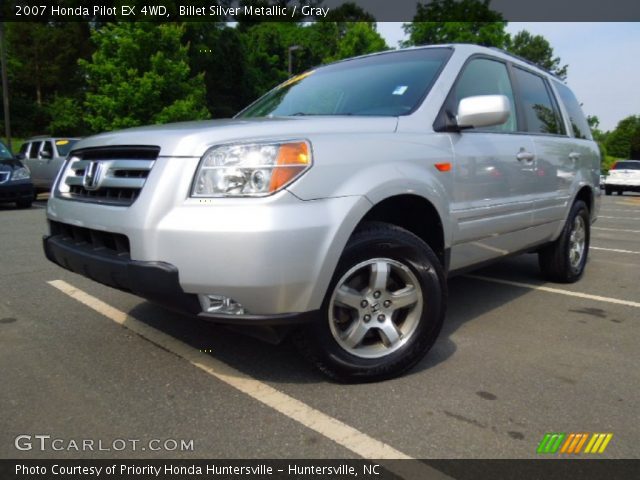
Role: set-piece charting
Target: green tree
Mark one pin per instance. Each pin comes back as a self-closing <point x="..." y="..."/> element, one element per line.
<point x="435" y="22"/>
<point x="43" y="65"/>
<point x="359" y="38"/>
<point x="537" y="49"/>
<point x="44" y="57"/>
<point x="267" y="47"/>
<point x="634" y="151"/>
<point x="139" y="74"/>
<point x="619" y="141"/>
<point x="228" y="83"/>
<point x="67" y="117"/>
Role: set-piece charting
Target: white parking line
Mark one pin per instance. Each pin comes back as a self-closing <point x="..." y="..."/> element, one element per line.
<point x="559" y="291"/>
<point x="617" y="250"/>
<point x="344" y="435"/>
<point x="615" y="230"/>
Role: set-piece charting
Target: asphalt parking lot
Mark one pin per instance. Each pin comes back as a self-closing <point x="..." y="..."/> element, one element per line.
<point x="517" y="358"/>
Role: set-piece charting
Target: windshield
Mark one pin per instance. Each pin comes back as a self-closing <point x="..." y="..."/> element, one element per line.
<point x="64" y="146"/>
<point x="389" y="85"/>
<point x="4" y="151"/>
<point x="627" y="166"/>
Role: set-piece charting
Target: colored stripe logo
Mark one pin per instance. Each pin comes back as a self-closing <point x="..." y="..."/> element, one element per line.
<point x="573" y="443"/>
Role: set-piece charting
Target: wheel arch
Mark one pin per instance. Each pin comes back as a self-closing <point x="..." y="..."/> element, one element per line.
<point x="585" y="193"/>
<point x="415" y="214"/>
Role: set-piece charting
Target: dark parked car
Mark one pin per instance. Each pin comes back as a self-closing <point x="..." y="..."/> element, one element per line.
<point x="15" y="180"/>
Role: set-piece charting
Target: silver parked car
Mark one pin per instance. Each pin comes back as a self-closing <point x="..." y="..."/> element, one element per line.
<point x="44" y="156"/>
<point x="337" y="205"/>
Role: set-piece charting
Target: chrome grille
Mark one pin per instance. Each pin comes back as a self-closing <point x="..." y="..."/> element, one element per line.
<point x="113" y="175"/>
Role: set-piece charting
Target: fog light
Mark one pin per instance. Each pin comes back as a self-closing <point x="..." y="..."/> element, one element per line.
<point x="220" y="304"/>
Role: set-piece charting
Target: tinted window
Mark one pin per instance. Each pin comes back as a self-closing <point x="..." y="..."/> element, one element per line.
<point x="387" y="84"/>
<point x="35" y="147"/>
<point x="579" y="123"/>
<point x="64" y="146"/>
<point x="486" y="77"/>
<point x="626" y="166"/>
<point x="539" y="110"/>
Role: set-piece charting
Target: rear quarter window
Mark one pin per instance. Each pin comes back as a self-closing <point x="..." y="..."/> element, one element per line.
<point x="577" y="119"/>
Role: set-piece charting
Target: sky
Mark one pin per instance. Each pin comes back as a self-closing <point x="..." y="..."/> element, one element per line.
<point x="603" y="59"/>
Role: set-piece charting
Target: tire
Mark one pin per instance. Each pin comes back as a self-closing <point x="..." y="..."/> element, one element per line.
<point x="620" y="192"/>
<point x="336" y="344"/>
<point x="564" y="260"/>
<point x="608" y="191"/>
<point x="24" y="203"/>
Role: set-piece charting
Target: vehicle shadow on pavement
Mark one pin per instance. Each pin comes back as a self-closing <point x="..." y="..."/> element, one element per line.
<point x="468" y="300"/>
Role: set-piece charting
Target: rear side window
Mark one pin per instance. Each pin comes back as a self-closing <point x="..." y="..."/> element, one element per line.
<point x="577" y="119"/>
<point x="540" y="112"/>
<point x="48" y="147"/>
<point x="35" y="148"/>
<point x="486" y="77"/>
<point x="626" y="166"/>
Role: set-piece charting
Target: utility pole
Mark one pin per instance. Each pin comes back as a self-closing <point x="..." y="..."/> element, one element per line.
<point x="5" y="86"/>
<point x="291" y="49"/>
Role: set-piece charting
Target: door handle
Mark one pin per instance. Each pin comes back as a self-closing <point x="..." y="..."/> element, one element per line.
<point x="574" y="156"/>
<point x="526" y="156"/>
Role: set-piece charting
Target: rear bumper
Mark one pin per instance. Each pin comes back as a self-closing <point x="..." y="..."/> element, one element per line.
<point x="15" y="191"/>
<point x="155" y="281"/>
<point x="623" y="184"/>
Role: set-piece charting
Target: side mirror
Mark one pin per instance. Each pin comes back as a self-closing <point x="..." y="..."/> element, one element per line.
<point x="21" y="156"/>
<point x="483" y="111"/>
<point x="45" y="154"/>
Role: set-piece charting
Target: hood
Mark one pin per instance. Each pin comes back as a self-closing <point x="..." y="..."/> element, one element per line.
<point x="9" y="164"/>
<point x="192" y="139"/>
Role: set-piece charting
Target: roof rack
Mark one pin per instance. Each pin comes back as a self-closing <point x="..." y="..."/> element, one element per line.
<point x="526" y="60"/>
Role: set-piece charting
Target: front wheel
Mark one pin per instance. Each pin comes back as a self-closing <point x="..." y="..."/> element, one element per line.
<point x="608" y="190"/>
<point x="564" y="260"/>
<point x="383" y="310"/>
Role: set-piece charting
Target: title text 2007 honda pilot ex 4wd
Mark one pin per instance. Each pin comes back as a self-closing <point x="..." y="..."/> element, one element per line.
<point x="336" y="205"/>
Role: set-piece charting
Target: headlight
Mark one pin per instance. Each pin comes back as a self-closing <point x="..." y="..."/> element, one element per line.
<point x="21" y="173"/>
<point x="250" y="170"/>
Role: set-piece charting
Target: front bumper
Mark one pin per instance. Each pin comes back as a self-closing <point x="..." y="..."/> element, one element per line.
<point x="154" y="281"/>
<point x="274" y="255"/>
<point x="16" y="191"/>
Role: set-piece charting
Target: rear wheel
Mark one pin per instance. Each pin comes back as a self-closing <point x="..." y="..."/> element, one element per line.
<point x="564" y="260"/>
<point x="608" y="190"/>
<point x="620" y="192"/>
<point x="24" y="203"/>
<point x="383" y="310"/>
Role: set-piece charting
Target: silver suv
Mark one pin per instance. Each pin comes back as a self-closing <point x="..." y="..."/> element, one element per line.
<point x="337" y="205"/>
